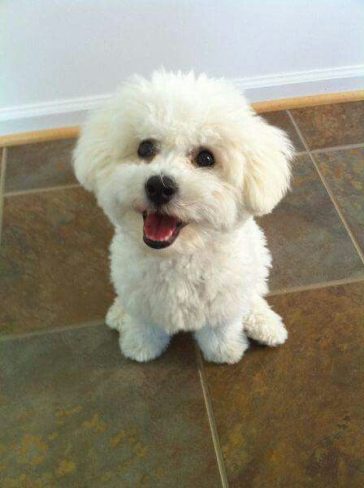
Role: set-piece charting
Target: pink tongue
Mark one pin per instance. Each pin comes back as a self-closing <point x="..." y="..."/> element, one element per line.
<point x="158" y="227"/>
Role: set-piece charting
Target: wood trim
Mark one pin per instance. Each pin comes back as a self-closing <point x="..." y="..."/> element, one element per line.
<point x="260" y="107"/>
<point x="39" y="136"/>
<point x="309" y="101"/>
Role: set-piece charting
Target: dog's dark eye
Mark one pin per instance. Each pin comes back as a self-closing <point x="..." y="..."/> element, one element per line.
<point x="147" y="149"/>
<point x="205" y="158"/>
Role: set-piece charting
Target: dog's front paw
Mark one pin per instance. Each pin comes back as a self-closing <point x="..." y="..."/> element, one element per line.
<point x="142" y="342"/>
<point x="222" y="345"/>
<point x="265" y="326"/>
<point x="276" y="335"/>
<point x="115" y="316"/>
<point x="225" y="353"/>
<point x="270" y="333"/>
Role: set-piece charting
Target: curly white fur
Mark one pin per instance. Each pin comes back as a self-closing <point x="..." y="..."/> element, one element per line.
<point x="211" y="280"/>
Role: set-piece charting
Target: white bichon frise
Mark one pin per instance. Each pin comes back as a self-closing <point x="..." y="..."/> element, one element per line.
<point x="181" y="165"/>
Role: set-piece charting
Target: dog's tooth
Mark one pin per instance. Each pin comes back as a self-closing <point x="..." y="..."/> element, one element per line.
<point x="168" y="236"/>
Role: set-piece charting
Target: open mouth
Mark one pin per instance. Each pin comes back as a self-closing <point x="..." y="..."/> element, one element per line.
<point x="160" y="230"/>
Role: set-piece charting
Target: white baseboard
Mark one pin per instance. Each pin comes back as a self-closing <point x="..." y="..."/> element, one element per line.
<point x="303" y="83"/>
<point x="64" y="113"/>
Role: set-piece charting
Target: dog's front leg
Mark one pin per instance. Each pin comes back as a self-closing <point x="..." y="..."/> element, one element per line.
<point x="264" y="325"/>
<point x="139" y="341"/>
<point x="223" y="344"/>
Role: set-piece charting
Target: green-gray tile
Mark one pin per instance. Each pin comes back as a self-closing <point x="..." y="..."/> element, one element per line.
<point x="293" y="416"/>
<point x="331" y="125"/>
<point x="281" y="119"/>
<point x="39" y="165"/>
<point x="344" y="172"/>
<point x="54" y="268"/>
<point x="308" y="241"/>
<point x="74" y="413"/>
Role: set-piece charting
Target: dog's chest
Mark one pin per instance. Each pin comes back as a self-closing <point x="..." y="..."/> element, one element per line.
<point x="169" y="293"/>
<point x="176" y="294"/>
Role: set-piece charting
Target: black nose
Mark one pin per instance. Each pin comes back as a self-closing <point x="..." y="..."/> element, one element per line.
<point x="160" y="189"/>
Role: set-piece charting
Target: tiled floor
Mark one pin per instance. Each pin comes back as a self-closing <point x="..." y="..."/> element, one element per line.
<point x="74" y="413"/>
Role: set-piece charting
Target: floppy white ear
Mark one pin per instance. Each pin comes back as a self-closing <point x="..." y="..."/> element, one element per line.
<point x="268" y="153"/>
<point x="93" y="150"/>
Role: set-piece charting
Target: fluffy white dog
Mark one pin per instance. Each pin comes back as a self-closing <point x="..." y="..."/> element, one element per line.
<point x="181" y="165"/>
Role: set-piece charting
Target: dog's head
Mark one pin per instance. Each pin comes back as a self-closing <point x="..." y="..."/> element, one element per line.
<point x="181" y="160"/>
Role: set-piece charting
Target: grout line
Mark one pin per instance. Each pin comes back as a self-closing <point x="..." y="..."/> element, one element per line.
<point x="328" y="189"/>
<point x="304" y="150"/>
<point x="298" y="130"/>
<point x="54" y="330"/>
<point x="337" y="148"/>
<point x="315" y="286"/>
<point x="211" y="420"/>
<point x="4" y="155"/>
<point x="41" y="190"/>
<point x="336" y="205"/>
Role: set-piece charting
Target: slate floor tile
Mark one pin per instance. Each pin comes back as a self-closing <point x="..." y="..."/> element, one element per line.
<point x="331" y="125"/>
<point x="307" y="239"/>
<point x="344" y="174"/>
<point x="74" y="413"/>
<point x="39" y="165"/>
<point x="54" y="268"/>
<point x="294" y="416"/>
<point x="281" y="119"/>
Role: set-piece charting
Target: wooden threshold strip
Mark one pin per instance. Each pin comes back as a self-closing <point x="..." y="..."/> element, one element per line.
<point x="260" y="107"/>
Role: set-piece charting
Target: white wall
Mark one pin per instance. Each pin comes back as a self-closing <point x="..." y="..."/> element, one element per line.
<point x="60" y="57"/>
